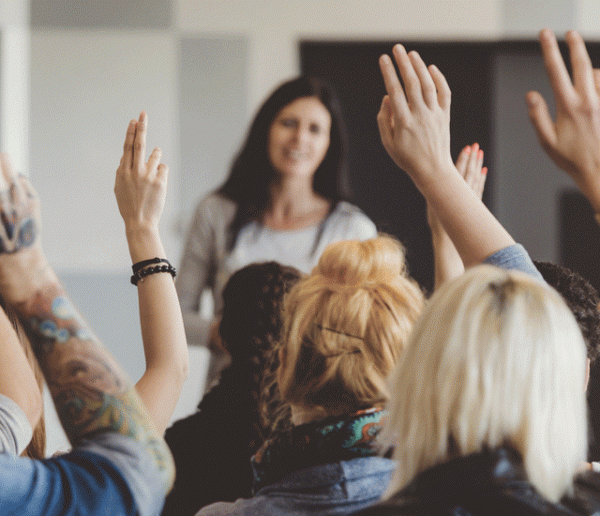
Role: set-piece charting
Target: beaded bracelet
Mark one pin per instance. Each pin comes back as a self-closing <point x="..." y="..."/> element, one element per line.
<point x="140" y="273"/>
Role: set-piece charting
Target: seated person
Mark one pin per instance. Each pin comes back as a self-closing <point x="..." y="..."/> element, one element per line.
<point x="488" y="414"/>
<point x="119" y="463"/>
<point x="163" y="335"/>
<point x="227" y="430"/>
<point x="345" y="326"/>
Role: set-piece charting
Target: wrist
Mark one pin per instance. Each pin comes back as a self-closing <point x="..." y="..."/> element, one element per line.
<point x="23" y="274"/>
<point x="144" y="243"/>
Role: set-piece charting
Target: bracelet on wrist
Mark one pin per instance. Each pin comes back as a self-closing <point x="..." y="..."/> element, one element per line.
<point x="141" y="269"/>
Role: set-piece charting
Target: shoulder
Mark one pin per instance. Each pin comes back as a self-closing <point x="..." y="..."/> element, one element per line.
<point x="514" y="257"/>
<point x="215" y="205"/>
<point x="82" y="480"/>
<point x="353" y="220"/>
<point x="586" y="493"/>
<point x="147" y="483"/>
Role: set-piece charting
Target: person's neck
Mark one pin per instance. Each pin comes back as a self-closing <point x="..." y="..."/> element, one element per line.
<point x="294" y="204"/>
<point x="302" y="415"/>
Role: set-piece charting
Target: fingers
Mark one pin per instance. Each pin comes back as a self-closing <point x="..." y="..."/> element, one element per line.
<point x="397" y="99"/>
<point x="153" y="161"/>
<point x="127" y="158"/>
<point x="443" y="90"/>
<point x="541" y="120"/>
<point x="463" y="158"/>
<point x="473" y="167"/>
<point x="428" y="89"/>
<point x="597" y="80"/>
<point x="583" y="75"/>
<point x="555" y="67"/>
<point x="162" y="173"/>
<point x="412" y="83"/>
<point x="139" y="144"/>
<point x="7" y="175"/>
<point x="470" y="166"/>
<point x="385" y="121"/>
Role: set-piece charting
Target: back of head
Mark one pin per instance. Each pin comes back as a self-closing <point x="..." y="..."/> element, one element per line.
<point x="581" y="297"/>
<point x="252" y="303"/>
<point x="345" y="325"/>
<point x="497" y="359"/>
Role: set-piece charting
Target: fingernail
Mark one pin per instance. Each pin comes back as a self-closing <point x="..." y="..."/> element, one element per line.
<point x="480" y="154"/>
<point x="467" y="149"/>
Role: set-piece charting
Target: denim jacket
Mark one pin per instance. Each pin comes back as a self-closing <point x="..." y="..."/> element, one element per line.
<point x="329" y="489"/>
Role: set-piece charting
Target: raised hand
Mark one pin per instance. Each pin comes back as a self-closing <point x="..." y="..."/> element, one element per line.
<point x="140" y="186"/>
<point x="19" y="210"/>
<point x="572" y="140"/>
<point x="414" y="124"/>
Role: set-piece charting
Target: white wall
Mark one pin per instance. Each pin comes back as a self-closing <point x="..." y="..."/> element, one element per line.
<point x="94" y="64"/>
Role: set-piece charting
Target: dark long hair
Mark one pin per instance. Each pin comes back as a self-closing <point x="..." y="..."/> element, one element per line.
<point x="252" y="174"/>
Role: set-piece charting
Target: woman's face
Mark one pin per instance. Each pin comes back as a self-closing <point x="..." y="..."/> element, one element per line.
<point x="299" y="137"/>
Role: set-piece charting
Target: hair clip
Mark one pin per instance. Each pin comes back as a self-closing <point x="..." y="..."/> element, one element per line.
<point x="321" y="327"/>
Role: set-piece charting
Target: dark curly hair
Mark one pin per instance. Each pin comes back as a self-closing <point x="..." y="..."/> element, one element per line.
<point x="251" y="325"/>
<point x="581" y="297"/>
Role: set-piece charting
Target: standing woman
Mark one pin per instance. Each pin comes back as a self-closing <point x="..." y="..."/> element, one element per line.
<point x="284" y="200"/>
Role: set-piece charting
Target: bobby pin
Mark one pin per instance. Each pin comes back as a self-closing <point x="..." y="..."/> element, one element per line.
<point x="338" y="332"/>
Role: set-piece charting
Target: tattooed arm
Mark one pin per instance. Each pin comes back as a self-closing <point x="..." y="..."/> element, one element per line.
<point x="92" y="395"/>
<point x="140" y="189"/>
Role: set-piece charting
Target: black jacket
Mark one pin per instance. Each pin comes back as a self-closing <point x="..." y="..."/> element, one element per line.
<point x="492" y="483"/>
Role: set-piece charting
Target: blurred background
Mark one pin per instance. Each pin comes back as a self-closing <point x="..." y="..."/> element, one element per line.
<point x="74" y="72"/>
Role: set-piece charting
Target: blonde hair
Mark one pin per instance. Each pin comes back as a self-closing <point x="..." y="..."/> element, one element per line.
<point x="497" y="359"/>
<point x="345" y="325"/>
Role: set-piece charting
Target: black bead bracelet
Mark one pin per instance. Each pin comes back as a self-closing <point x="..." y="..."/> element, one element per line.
<point x="139" y="272"/>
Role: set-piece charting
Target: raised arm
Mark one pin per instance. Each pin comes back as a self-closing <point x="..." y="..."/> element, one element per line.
<point x="140" y="188"/>
<point x="18" y="383"/>
<point x="447" y="262"/>
<point x="572" y="140"/>
<point x="93" y="397"/>
<point x="414" y="123"/>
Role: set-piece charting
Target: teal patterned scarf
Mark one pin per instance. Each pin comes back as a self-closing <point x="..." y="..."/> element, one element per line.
<point x="325" y="441"/>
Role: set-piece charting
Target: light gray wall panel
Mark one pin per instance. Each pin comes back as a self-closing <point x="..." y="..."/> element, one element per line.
<point x="111" y="14"/>
<point x="212" y="113"/>
<point x="527" y="183"/>
<point x="526" y="17"/>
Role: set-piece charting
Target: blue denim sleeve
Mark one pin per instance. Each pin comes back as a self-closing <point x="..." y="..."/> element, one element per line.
<point x="117" y="477"/>
<point x="514" y="257"/>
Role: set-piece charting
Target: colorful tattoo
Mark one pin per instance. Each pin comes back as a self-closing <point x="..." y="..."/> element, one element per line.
<point x="18" y="226"/>
<point x="90" y="391"/>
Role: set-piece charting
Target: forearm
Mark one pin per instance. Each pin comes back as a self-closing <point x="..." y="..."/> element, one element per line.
<point x="90" y="391"/>
<point x="446" y="260"/>
<point x="475" y="232"/>
<point x="163" y="334"/>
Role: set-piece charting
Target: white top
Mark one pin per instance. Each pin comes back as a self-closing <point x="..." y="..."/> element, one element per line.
<point x="206" y="262"/>
<point x="15" y="429"/>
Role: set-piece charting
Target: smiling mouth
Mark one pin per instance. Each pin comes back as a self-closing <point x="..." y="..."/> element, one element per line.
<point x="296" y="155"/>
